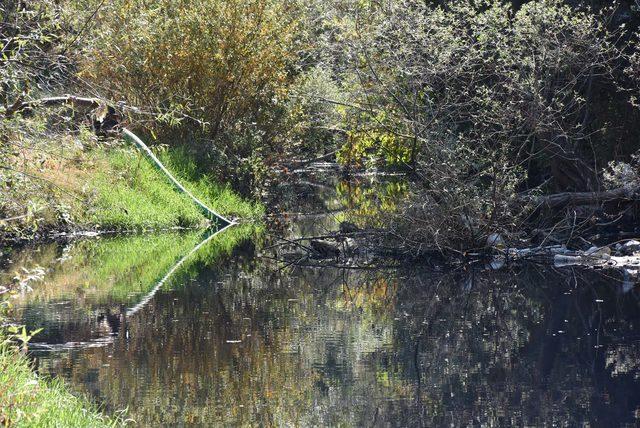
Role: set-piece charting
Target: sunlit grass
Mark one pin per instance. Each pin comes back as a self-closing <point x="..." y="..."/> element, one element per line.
<point x="28" y="400"/>
<point x="220" y="197"/>
<point x="87" y="185"/>
<point x="132" y="194"/>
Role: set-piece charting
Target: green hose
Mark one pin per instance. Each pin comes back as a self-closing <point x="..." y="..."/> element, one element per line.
<point x="208" y="212"/>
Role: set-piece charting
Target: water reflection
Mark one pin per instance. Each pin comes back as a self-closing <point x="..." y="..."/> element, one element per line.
<point x="233" y="340"/>
<point x="82" y="291"/>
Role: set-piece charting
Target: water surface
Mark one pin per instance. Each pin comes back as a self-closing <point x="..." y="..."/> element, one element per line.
<point x="232" y="339"/>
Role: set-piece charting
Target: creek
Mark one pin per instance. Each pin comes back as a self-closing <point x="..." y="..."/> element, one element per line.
<point x="232" y="338"/>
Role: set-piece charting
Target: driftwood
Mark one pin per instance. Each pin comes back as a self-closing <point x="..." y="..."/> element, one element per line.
<point x="621" y="256"/>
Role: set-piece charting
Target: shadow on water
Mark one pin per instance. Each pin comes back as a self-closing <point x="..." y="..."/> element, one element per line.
<point x="233" y="340"/>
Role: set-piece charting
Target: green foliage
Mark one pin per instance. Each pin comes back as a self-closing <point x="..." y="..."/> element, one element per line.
<point x="30" y="60"/>
<point x="211" y="59"/>
<point x="364" y="148"/>
<point x="132" y="194"/>
<point x="15" y="335"/>
<point x="313" y="114"/>
<point x="479" y="99"/>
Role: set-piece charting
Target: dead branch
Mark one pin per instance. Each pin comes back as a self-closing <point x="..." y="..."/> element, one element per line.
<point x="73" y="100"/>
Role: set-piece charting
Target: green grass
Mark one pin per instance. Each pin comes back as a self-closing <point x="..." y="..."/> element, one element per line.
<point x="30" y="401"/>
<point x="219" y="197"/>
<point x="132" y="194"/>
<point x="86" y="185"/>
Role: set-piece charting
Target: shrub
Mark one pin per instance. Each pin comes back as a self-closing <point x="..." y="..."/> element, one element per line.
<point x="212" y="70"/>
<point x="32" y="56"/>
<point x="483" y="102"/>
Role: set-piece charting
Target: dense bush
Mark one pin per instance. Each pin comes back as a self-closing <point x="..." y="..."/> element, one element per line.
<point x="216" y="72"/>
<point x="32" y="56"/>
<point x="481" y="102"/>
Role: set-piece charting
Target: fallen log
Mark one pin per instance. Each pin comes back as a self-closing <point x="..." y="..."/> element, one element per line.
<point x="561" y="200"/>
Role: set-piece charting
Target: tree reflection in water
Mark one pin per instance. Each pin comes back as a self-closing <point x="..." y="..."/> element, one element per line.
<point x="238" y="342"/>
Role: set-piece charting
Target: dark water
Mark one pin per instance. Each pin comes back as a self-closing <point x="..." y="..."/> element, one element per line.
<point x="232" y="338"/>
<point x="234" y="341"/>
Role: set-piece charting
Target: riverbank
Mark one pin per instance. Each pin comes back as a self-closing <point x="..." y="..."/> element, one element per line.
<point x="75" y="182"/>
<point x="28" y="400"/>
<point x="65" y="182"/>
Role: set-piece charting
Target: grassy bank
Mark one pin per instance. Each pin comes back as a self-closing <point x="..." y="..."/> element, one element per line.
<point x="72" y="181"/>
<point x="27" y="400"/>
<point x="130" y="193"/>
